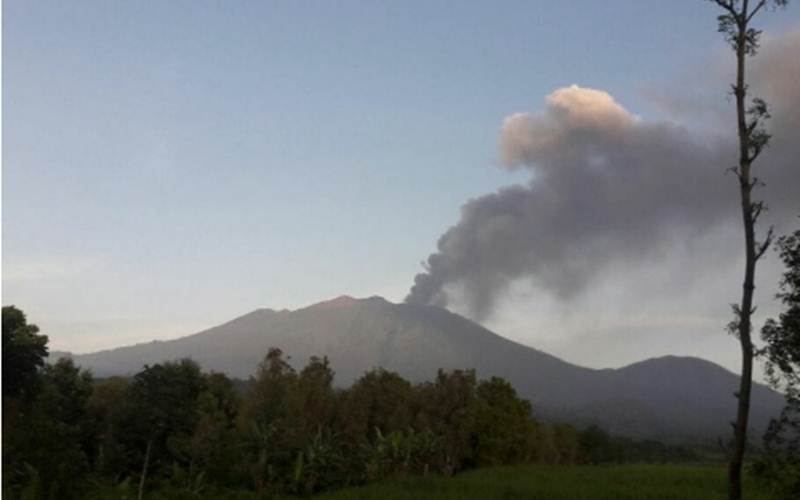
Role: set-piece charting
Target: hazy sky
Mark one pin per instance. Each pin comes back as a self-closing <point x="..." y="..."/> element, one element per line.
<point x="170" y="165"/>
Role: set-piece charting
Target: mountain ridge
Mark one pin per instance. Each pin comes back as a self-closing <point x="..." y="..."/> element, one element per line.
<point x="665" y="397"/>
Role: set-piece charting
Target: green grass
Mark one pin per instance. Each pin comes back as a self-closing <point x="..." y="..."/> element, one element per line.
<point x="634" y="482"/>
<point x="624" y="482"/>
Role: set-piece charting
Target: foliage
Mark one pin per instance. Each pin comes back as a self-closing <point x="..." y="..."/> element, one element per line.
<point x="214" y="443"/>
<point x="173" y="431"/>
<point x="596" y="445"/>
<point x="782" y="337"/>
<point x="780" y="464"/>
<point x="24" y="352"/>
<point x="378" y="400"/>
<point x="49" y="449"/>
<point x="735" y="16"/>
<point x="265" y="419"/>
<point x="160" y="416"/>
<point x="447" y="409"/>
<point x="104" y="408"/>
<point x="503" y="427"/>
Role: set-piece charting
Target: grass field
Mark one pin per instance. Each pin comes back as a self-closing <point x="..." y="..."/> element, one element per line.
<point x="626" y="482"/>
<point x="634" y="482"/>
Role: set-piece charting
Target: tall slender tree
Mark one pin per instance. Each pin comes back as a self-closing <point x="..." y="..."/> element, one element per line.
<point x="751" y="113"/>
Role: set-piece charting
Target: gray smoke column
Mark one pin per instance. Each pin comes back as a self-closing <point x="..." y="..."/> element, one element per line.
<point x="606" y="188"/>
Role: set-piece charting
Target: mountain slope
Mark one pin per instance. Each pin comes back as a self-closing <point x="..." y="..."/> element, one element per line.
<point x="667" y="397"/>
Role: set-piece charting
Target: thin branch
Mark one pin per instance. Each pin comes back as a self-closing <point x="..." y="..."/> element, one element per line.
<point x="766" y="243"/>
<point x="735" y="171"/>
<point x="758" y="7"/>
<point x="727" y="6"/>
<point x="756" y="210"/>
<point x="738" y="17"/>
<point x="755" y="154"/>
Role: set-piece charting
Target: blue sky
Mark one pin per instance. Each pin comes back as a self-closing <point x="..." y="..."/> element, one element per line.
<point x="169" y="165"/>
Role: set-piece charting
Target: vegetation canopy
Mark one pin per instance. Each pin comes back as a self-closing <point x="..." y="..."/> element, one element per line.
<point x="174" y="427"/>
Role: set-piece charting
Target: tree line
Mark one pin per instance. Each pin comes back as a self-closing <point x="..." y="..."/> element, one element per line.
<point x="174" y="427"/>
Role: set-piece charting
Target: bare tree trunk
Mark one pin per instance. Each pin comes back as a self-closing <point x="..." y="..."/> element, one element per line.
<point x="144" y="468"/>
<point x="746" y="306"/>
<point x="753" y="138"/>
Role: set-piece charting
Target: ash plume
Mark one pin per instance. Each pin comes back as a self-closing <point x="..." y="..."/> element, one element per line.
<point x="606" y="188"/>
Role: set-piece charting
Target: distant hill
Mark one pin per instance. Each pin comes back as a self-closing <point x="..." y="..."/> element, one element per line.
<point x="673" y="398"/>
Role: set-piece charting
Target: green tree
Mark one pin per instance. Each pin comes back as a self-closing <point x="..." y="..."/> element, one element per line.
<point x="565" y="444"/>
<point x="51" y="448"/>
<point x="213" y="445"/>
<point x="596" y="446"/>
<point x="267" y="398"/>
<point x="782" y="336"/>
<point x="447" y="409"/>
<point x="318" y="460"/>
<point x="105" y="409"/>
<point x="312" y="403"/>
<point x="162" y="414"/>
<point x="504" y="431"/>
<point x="265" y="423"/>
<point x="381" y="400"/>
<point x="24" y="353"/>
<point x="735" y="24"/>
<point x="781" y="463"/>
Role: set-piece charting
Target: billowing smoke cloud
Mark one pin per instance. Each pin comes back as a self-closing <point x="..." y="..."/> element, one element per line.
<point x="606" y="187"/>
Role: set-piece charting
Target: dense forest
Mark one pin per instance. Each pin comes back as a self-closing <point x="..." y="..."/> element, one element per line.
<point x="174" y="427"/>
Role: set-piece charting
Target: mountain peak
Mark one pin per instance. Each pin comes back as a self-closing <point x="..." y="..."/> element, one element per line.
<point x="654" y="398"/>
<point x="347" y="301"/>
<point x="336" y="303"/>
